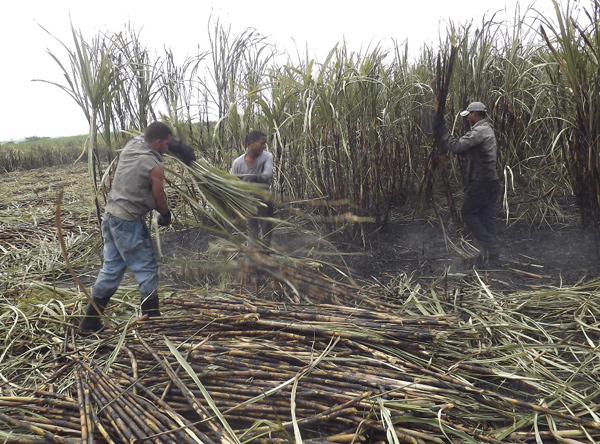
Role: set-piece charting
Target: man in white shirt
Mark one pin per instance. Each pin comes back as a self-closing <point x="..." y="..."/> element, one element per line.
<point x="256" y="166"/>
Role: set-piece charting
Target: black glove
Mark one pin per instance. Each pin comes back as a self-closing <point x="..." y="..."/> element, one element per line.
<point x="438" y="125"/>
<point x="164" y="220"/>
<point x="181" y="150"/>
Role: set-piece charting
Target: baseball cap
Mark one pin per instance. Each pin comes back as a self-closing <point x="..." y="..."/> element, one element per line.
<point x="473" y="106"/>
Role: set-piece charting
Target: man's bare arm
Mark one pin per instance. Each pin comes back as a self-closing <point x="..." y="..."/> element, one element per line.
<point x="157" y="177"/>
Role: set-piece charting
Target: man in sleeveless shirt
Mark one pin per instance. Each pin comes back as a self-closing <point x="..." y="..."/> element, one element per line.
<point x="256" y="166"/>
<point x="137" y="189"/>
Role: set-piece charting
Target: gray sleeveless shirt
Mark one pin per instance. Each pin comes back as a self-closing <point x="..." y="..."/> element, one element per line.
<point x="130" y="197"/>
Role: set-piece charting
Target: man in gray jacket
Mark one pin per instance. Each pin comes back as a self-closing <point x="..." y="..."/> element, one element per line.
<point x="480" y="147"/>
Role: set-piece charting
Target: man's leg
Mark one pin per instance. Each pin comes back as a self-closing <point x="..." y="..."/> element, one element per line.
<point x="135" y="246"/>
<point x="108" y="280"/>
<point x="487" y="217"/>
<point x="476" y="210"/>
<point x="253" y="227"/>
<point x="266" y="225"/>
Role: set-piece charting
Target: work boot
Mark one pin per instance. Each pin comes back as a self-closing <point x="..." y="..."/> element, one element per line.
<point x="477" y="260"/>
<point x="480" y="260"/>
<point x="91" y="322"/>
<point x="493" y="260"/>
<point x="487" y="261"/>
<point x="150" y="307"/>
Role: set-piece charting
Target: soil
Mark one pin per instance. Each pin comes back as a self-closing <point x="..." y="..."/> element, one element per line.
<point x="553" y="255"/>
<point x="549" y="256"/>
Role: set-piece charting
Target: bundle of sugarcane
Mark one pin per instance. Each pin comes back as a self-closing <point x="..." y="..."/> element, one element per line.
<point x="249" y="366"/>
<point x="385" y="327"/>
<point x="104" y="411"/>
<point x="281" y="366"/>
<point x="373" y="361"/>
<point x="304" y="277"/>
<point x="125" y="416"/>
<point x="53" y="416"/>
<point x="240" y="369"/>
<point x="216" y="194"/>
<point x="324" y="373"/>
<point x="435" y="161"/>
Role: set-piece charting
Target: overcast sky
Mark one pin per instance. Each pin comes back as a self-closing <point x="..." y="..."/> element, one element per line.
<point x="38" y="109"/>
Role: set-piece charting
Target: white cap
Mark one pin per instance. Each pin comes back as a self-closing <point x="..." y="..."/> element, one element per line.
<point x="473" y="106"/>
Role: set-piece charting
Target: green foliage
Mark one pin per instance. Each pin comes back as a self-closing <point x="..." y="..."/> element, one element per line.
<point x="355" y="128"/>
<point x="37" y="152"/>
<point x="575" y="48"/>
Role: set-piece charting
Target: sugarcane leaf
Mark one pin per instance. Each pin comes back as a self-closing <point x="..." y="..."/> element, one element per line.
<point x="118" y="348"/>
<point x="388" y="424"/>
<point x="190" y="371"/>
<point x="297" y="434"/>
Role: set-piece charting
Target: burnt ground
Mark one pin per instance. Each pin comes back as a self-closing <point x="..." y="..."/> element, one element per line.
<point x="547" y="256"/>
<point x="561" y="254"/>
<point x="552" y="256"/>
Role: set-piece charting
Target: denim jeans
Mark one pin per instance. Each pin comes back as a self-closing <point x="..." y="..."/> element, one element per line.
<point x="127" y="244"/>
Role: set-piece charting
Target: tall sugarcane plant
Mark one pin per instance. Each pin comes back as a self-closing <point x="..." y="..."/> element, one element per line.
<point x="137" y="84"/>
<point x="89" y="80"/>
<point x="352" y="128"/>
<point x="576" y="50"/>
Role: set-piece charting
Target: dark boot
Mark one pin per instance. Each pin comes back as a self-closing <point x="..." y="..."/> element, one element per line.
<point x="494" y="260"/>
<point x="91" y="322"/>
<point x="487" y="260"/>
<point x="150" y="307"/>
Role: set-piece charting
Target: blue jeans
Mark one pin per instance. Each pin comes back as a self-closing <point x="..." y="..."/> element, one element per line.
<point x="127" y="244"/>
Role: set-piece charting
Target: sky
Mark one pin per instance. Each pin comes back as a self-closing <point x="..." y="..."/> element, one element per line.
<point x="30" y="108"/>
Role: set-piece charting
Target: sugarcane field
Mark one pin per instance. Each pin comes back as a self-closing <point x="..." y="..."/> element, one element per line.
<point x="368" y="309"/>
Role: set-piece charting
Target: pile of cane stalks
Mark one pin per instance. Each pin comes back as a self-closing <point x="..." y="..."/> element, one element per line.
<point x="231" y="366"/>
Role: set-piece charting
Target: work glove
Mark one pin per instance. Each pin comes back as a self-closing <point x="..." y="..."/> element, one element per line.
<point x="164" y="220"/>
<point x="438" y="125"/>
<point x="182" y="151"/>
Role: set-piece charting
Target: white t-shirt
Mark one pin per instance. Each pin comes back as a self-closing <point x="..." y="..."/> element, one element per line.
<point x="261" y="172"/>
